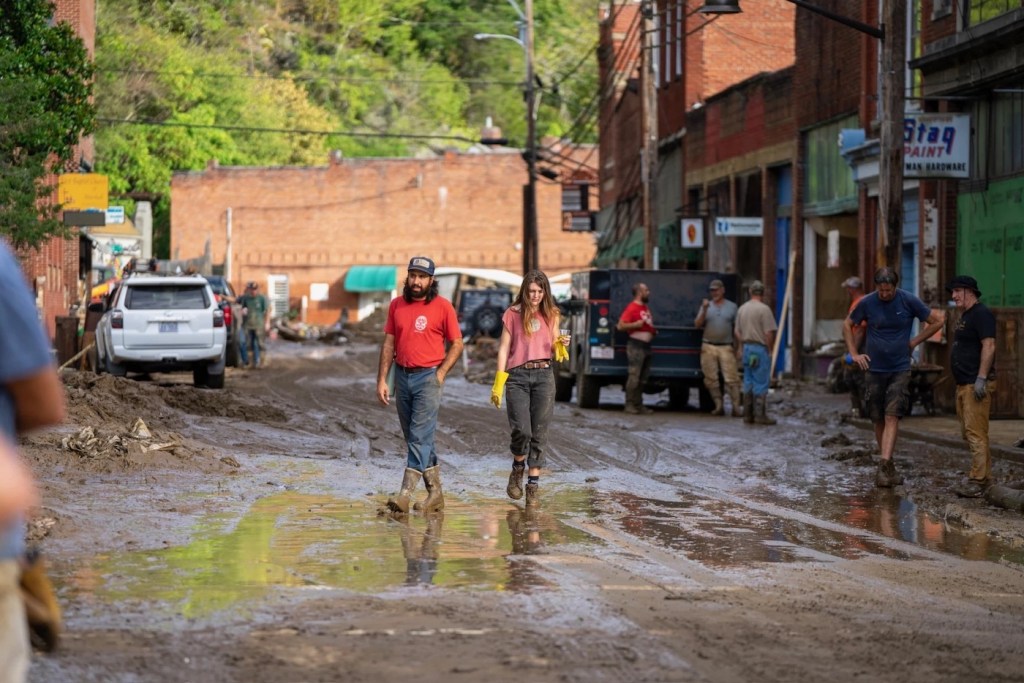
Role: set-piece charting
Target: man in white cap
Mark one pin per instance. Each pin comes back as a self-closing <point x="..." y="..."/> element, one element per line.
<point x="717" y="317"/>
<point x="419" y="324"/>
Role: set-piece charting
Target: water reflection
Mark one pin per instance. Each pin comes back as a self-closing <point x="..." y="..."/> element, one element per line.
<point x="306" y="541"/>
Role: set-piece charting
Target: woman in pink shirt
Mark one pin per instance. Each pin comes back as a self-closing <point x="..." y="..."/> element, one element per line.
<point x="529" y="336"/>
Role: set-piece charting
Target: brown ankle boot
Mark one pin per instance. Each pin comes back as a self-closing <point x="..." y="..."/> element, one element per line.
<point x="515" y="481"/>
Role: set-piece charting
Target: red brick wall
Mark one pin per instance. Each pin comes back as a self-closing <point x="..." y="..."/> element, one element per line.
<point x="618" y="64"/>
<point x="313" y="223"/>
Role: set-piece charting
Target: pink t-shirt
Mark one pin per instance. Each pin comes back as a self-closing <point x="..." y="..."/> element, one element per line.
<point x="536" y="346"/>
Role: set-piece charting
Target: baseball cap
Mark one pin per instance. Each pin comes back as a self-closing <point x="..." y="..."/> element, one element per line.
<point x="716" y="284"/>
<point x="251" y="284"/>
<point x="756" y="287"/>
<point x="422" y="263"/>
<point x="853" y="282"/>
<point x="963" y="282"/>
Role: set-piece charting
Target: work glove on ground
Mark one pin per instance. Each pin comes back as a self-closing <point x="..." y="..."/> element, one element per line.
<point x="561" y="353"/>
<point x="979" y="388"/>
<point x="498" y="387"/>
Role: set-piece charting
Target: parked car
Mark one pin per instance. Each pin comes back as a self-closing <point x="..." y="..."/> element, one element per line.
<point x="228" y="302"/>
<point x="480" y="311"/>
<point x="158" y="323"/>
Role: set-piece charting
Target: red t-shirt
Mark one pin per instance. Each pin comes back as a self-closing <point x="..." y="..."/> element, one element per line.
<point x="421" y="330"/>
<point x="635" y="312"/>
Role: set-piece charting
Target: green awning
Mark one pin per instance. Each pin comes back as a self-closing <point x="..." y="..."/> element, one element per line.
<point x="371" y="278"/>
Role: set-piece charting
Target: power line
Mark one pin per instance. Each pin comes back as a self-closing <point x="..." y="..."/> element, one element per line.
<point x="306" y="75"/>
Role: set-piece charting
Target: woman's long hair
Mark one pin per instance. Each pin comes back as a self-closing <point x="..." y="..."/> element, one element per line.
<point x="547" y="308"/>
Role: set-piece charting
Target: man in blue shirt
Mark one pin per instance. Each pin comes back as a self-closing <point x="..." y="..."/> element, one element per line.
<point x="889" y="313"/>
<point x="31" y="395"/>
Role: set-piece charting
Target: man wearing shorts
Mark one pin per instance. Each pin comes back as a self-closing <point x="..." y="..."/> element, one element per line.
<point x="889" y="313"/>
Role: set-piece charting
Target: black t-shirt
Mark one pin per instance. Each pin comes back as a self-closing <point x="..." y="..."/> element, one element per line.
<point x="977" y="323"/>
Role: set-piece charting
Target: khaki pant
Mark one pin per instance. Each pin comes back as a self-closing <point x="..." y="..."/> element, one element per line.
<point x="14" y="647"/>
<point x="973" y="416"/>
<point x="713" y="358"/>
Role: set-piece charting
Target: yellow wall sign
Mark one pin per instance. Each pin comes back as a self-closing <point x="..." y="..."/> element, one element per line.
<point x="82" y="191"/>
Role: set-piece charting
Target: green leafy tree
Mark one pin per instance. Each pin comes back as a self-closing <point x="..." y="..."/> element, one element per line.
<point x="45" y="109"/>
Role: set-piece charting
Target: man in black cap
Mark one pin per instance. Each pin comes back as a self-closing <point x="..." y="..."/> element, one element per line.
<point x="255" y="324"/>
<point x="419" y="324"/>
<point x="973" y="361"/>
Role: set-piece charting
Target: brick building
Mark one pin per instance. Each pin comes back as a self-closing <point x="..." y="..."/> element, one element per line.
<point x="54" y="270"/>
<point x="300" y="230"/>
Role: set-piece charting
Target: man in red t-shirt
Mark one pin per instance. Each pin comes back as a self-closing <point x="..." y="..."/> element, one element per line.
<point x="418" y="325"/>
<point x="852" y="373"/>
<point x="636" y="321"/>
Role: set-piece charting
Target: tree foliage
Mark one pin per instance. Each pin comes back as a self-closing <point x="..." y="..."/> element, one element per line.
<point x="45" y="90"/>
<point x="272" y="82"/>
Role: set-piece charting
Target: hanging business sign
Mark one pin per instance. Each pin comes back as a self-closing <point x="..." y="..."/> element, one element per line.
<point x="937" y="146"/>
<point x="737" y="226"/>
<point x="691" y="233"/>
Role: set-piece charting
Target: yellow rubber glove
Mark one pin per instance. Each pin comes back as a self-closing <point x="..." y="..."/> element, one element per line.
<point x="561" y="353"/>
<point x="498" y="387"/>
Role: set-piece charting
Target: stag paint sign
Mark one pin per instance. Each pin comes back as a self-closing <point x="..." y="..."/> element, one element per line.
<point x="937" y="146"/>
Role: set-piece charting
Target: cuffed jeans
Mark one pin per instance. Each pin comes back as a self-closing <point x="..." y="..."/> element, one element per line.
<point x="530" y="402"/>
<point x="757" y="378"/>
<point x="638" y="354"/>
<point x="418" y="398"/>
<point x="249" y="339"/>
<point x="973" y="416"/>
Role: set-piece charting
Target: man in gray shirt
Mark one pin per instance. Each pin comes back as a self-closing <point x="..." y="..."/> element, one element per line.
<point x="717" y="317"/>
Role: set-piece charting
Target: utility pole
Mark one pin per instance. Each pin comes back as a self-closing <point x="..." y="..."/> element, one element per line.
<point x="890" y="177"/>
<point x="649" y="136"/>
<point x="531" y="250"/>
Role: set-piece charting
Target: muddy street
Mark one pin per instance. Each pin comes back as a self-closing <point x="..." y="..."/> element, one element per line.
<point x="238" y="538"/>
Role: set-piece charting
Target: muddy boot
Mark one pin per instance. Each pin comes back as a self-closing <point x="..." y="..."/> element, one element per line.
<point x="532" y="495"/>
<point x="515" y="481"/>
<point x="748" y="407"/>
<point x="716" y="396"/>
<point x="760" y="409"/>
<point x="435" y="499"/>
<point x="400" y="502"/>
<point x="734" y="398"/>
<point x="886" y="477"/>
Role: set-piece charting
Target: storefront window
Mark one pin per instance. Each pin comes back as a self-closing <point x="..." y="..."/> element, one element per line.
<point x="980" y="11"/>
<point x="999" y="150"/>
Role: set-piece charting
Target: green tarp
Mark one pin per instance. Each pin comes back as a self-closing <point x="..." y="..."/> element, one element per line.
<point x="371" y="278"/>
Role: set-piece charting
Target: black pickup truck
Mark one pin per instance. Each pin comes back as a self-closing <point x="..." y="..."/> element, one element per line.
<point x="597" y="354"/>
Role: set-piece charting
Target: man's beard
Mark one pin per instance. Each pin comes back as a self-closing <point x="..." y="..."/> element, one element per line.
<point x="645" y="298"/>
<point x="417" y="291"/>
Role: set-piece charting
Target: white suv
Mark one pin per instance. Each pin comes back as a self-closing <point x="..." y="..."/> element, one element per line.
<point x="154" y="323"/>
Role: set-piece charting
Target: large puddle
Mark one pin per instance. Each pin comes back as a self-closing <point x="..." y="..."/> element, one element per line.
<point x="299" y="540"/>
<point x="722" y="534"/>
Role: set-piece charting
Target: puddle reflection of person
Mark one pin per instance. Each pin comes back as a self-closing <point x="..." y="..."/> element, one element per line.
<point x="524" y="527"/>
<point x="421" y="548"/>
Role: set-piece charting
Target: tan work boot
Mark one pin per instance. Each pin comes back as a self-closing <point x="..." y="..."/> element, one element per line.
<point x="400" y="502"/>
<point x="734" y="398"/>
<point x="435" y="498"/>
<point x="532" y="495"/>
<point x="515" y="481"/>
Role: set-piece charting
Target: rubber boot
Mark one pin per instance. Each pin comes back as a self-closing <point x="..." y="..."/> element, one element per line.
<point x="748" y="407"/>
<point x="400" y="502"/>
<point x="716" y="396"/>
<point x="734" y="398"/>
<point x="515" y="481"/>
<point x="761" y="407"/>
<point x="435" y="498"/>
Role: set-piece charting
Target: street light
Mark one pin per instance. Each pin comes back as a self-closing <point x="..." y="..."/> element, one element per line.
<point x="893" y="82"/>
<point x="525" y="41"/>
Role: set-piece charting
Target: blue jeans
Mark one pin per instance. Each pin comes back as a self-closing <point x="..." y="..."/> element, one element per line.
<point x="756" y="378"/>
<point x="249" y="338"/>
<point x="530" y="401"/>
<point x="418" y="398"/>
